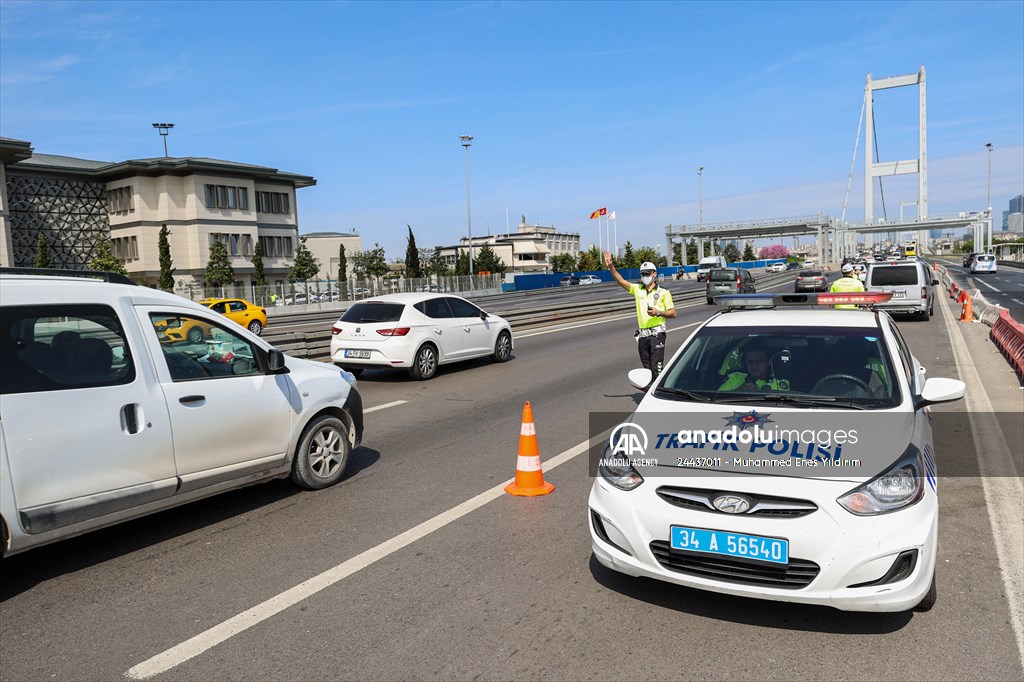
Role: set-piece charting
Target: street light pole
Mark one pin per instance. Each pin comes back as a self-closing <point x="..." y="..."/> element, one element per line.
<point x="989" y="204"/>
<point x="467" y="140"/>
<point x="163" y="129"/>
<point x="700" y="182"/>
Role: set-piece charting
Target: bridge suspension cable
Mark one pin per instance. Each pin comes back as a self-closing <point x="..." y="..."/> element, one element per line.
<point x="853" y="161"/>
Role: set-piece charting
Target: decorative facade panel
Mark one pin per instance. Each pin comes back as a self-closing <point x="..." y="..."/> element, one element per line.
<point x="71" y="214"/>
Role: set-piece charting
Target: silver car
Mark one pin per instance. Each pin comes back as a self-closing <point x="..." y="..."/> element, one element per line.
<point x="911" y="285"/>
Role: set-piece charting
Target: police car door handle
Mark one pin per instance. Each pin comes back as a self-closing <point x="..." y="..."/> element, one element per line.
<point x="437" y="330"/>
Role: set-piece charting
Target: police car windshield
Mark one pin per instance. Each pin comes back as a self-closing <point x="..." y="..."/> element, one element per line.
<point x="813" y="367"/>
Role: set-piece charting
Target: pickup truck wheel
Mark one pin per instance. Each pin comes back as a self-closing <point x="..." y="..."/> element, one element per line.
<point x="322" y="453"/>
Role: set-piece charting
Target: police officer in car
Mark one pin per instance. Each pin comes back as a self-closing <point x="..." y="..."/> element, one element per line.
<point x="758" y="375"/>
<point x="653" y="306"/>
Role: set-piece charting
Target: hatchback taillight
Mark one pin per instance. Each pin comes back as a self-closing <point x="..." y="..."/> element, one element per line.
<point x="335" y="331"/>
<point x="739" y="280"/>
<point x="397" y="331"/>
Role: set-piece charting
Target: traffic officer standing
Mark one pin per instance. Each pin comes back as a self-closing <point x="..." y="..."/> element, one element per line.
<point x="846" y="284"/>
<point x="653" y="305"/>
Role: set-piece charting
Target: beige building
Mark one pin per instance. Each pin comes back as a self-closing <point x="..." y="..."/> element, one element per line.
<point x="526" y="250"/>
<point x="326" y="248"/>
<point x="73" y="202"/>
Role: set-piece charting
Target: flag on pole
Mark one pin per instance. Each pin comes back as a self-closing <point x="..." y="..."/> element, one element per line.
<point x="599" y="212"/>
<point x="611" y="216"/>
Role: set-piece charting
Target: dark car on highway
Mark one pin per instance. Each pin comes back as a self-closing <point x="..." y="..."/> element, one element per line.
<point x="810" y="280"/>
<point x="569" y="280"/>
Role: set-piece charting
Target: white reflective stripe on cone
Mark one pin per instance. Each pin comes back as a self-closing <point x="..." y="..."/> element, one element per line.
<point x="528" y="463"/>
<point x="528" y="429"/>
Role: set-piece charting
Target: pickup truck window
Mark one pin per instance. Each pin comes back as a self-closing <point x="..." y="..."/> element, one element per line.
<point x="198" y="348"/>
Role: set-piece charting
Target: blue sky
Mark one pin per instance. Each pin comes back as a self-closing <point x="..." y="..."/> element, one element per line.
<point x="573" y="105"/>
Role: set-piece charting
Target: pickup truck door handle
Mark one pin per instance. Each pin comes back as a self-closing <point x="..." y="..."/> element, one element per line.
<point x="191" y="399"/>
<point x="131" y="417"/>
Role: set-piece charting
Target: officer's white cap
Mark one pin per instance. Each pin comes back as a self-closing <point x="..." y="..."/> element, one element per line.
<point x="848" y="267"/>
<point x="648" y="266"/>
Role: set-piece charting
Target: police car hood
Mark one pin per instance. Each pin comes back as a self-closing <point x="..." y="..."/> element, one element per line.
<point x="849" y="445"/>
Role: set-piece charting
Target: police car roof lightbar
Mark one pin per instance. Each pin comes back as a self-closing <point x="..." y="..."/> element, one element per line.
<point x="795" y="300"/>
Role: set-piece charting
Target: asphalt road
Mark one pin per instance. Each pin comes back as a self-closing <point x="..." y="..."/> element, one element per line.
<point x="503" y="588"/>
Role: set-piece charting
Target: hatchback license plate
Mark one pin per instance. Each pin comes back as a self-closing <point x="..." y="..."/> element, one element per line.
<point x="772" y="550"/>
<point x="364" y="354"/>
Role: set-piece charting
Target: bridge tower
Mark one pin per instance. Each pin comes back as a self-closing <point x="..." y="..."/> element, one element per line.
<point x="918" y="165"/>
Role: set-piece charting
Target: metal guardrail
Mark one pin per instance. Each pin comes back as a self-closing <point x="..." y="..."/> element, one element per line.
<point x="316" y="345"/>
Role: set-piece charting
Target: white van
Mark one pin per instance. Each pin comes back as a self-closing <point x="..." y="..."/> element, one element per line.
<point x="107" y="414"/>
<point x="707" y="264"/>
<point x="909" y="281"/>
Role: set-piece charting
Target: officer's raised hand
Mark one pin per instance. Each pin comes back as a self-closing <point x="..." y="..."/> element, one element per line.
<point x="615" y="273"/>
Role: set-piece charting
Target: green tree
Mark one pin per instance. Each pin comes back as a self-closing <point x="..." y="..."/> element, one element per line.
<point x="259" y="278"/>
<point x="103" y="259"/>
<point x="305" y="267"/>
<point x="370" y="263"/>
<point x="691" y="251"/>
<point x="166" y="281"/>
<point x="462" y="264"/>
<point x="677" y="253"/>
<point x="646" y="253"/>
<point x="488" y="261"/>
<point x="590" y="260"/>
<point x="629" y="259"/>
<point x="436" y="264"/>
<point x="342" y="265"/>
<point x="748" y="252"/>
<point x="219" y="272"/>
<point x="731" y="253"/>
<point x="563" y="262"/>
<point x="42" y="252"/>
<point x="412" y="256"/>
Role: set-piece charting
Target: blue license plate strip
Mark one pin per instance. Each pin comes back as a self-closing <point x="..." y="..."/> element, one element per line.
<point x="740" y="545"/>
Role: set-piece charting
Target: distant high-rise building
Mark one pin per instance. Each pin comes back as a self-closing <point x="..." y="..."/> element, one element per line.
<point x="1017" y="204"/>
<point x="1006" y="221"/>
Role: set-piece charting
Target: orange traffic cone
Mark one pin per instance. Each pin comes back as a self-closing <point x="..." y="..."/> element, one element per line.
<point x="529" y="476"/>
<point x="967" y="312"/>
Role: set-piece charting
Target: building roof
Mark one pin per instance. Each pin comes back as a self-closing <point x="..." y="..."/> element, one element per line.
<point x="109" y="170"/>
<point x="323" y="235"/>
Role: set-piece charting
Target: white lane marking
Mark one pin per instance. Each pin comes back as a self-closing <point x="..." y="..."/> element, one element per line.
<point x="978" y="281"/>
<point x="1003" y="489"/>
<point x="384" y="406"/>
<point x="1017" y="300"/>
<point x="208" y="639"/>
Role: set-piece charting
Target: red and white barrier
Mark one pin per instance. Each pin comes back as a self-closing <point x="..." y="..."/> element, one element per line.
<point x="1008" y="335"/>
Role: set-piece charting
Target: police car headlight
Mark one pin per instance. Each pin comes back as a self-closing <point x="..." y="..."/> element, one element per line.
<point x="896" y="488"/>
<point x="618" y="471"/>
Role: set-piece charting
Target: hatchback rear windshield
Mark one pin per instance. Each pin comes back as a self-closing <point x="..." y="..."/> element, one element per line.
<point x="985" y="259"/>
<point x="894" y="276"/>
<point x="373" y="311"/>
<point x="810" y="273"/>
<point x="724" y="275"/>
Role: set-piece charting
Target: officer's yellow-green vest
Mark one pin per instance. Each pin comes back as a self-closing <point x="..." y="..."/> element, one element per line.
<point x="737" y="379"/>
<point x="655" y="298"/>
<point x="846" y="284"/>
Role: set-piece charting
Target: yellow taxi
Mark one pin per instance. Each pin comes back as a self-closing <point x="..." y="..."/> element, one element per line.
<point x="175" y="329"/>
<point x="249" y="315"/>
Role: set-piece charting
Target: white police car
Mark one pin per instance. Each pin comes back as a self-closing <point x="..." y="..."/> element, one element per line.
<point x="785" y="453"/>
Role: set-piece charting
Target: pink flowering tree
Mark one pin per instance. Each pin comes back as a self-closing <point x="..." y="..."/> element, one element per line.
<point x="773" y="251"/>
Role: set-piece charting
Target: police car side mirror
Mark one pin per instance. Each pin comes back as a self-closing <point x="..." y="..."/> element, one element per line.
<point x="939" y="391"/>
<point x="640" y="378"/>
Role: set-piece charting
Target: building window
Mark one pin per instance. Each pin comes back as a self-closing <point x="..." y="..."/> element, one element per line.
<point x="272" y="202"/>
<point x="125" y="248"/>
<point x="121" y="200"/>
<point x="225" y="196"/>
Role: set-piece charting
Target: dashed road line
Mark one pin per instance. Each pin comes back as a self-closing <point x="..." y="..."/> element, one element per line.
<point x="224" y="631"/>
<point x="384" y="406"/>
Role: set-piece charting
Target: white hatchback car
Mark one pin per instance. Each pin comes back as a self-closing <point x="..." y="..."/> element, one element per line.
<point x="776" y="267"/>
<point x="826" y="493"/>
<point x="418" y="332"/>
<point x="590" y="279"/>
<point x="106" y="417"/>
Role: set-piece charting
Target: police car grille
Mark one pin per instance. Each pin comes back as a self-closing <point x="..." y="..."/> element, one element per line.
<point x="798" y="573"/>
<point x="761" y="505"/>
